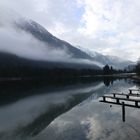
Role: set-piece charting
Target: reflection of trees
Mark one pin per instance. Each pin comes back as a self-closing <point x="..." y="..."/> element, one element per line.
<point x="108" y="81"/>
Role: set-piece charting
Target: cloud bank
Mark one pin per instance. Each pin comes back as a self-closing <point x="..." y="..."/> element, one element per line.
<point x="106" y="26"/>
<point x="21" y="43"/>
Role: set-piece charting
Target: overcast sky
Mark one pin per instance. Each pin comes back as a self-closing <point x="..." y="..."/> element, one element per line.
<point x="111" y="27"/>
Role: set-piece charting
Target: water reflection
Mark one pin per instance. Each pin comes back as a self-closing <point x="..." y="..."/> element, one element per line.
<point x="30" y="115"/>
<point x="108" y="81"/>
<point x="16" y="90"/>
<point x="101" y="123"/>
<point x="131" y="99"/>
<point x="96" y="121"/>
<point x="70" y="112"/>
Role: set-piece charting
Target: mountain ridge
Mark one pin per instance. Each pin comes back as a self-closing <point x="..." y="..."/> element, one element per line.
<point x="43" y="35"/>
<point x="72" y="55"/>
<point x="115" y="61"/>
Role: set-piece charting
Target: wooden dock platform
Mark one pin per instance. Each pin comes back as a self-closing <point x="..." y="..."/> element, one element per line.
<point x="123" y="99"/>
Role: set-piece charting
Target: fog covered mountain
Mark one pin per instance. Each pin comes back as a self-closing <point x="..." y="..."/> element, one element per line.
<point x="43" y="35"/>
<point x="25" y="43"/>
<point x="25" y="39"/>
<point x="75" y="52"/>
<point x="115" y="61"/>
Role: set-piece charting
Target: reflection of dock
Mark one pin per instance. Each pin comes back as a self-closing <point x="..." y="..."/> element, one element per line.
<point x="123" y="100"/>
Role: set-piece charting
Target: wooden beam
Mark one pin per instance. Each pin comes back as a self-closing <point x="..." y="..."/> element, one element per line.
<point x="118" y="98"/>
<point x="127" y="95"/>
<point x="128" y="105"/>
<point x="130" y="90"/>
<point x="134" y="89"/>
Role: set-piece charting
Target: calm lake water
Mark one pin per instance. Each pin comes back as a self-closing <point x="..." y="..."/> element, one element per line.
<point x="68" y="112"/>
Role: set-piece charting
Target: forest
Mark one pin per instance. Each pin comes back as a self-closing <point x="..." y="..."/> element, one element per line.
<point x="138" y="67"/>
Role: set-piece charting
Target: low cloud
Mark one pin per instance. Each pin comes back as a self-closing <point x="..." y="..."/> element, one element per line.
<point x="21" y="43"/>
<point x="93" y="24"/>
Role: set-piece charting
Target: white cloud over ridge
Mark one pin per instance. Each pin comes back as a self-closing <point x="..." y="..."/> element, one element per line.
<point x="106" y="26"/>
<point x="16" y="41"/>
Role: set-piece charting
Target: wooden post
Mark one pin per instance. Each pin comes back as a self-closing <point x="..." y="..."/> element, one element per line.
<point x="127" y="96"/>
<point x="117" y="101"/>
<point x="114" y="95"/>
<point x="136" y="103"/>
<point x="123" y="112"/>
<point x="104" y="99"/>
<point x="130" y="91"/>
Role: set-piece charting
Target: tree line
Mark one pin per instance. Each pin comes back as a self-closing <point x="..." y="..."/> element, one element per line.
<point x="138" y="67"/>
<point x="54" y="73"/>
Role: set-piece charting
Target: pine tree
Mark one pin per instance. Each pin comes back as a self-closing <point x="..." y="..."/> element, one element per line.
<point x="106" y="70"/>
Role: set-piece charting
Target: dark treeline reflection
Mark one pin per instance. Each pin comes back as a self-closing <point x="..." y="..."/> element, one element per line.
<point x="108" y="81"/>
<point x="38" y="124"/>
<point x="34" y="105"/>
<point x="11" y="91"/>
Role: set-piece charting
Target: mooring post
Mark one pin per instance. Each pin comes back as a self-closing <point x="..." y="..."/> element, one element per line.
<point x="104" y="98"/>
<point x="130" y="91"/>
<point x="117" y="101"/>
<point x="114" y="95"/>
<point x="136" y="103"/>
<point x="127" y="96"/>
<point x="123" y="112"/>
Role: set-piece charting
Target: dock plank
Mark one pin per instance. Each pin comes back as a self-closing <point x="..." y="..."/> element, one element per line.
<point x="128" y="105"/>
<point x="118" y="98"/>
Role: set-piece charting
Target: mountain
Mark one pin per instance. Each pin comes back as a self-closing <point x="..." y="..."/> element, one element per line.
<point x="130" y="68"/>
<point x="10" y="61"/>
<point x="76" y="56"/>
<point x="114" y="61"/>
<point x="43" y="35"/>
<point x="27" y="48"/>
<point x="15" y="66"/>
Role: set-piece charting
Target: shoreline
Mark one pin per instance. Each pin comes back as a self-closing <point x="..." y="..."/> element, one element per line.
<point x="136" y="78"/>
<point x="121" y="75"/>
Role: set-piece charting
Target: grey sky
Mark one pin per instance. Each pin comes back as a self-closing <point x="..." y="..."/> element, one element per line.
<point x="106" y="26"/>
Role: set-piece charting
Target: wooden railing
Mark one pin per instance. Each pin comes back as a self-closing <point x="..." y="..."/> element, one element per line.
<point x="123" y="98"/>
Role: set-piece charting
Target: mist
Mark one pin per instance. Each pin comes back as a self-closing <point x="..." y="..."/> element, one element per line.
<point x="21" y="43"/>
<point x="15" y="41"/>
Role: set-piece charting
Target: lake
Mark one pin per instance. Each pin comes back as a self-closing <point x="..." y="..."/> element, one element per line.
<point x="69" y="111"/>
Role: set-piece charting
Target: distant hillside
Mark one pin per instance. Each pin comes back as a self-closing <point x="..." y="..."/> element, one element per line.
<point x="15" y="66"/>
<point x="28" y="49"/>
<point x="76" y="52"/>
<point x="115" y="61"/>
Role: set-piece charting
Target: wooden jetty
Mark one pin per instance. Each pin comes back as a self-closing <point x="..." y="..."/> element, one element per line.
<point x="122" y="98"/>
<point x="131" y="91"/>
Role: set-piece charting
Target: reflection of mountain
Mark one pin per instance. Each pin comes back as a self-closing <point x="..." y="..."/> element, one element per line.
<point x="10" y="89"/>
<point x="42" y="121"/>
<point x="31" y="115"/>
